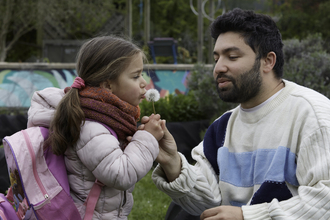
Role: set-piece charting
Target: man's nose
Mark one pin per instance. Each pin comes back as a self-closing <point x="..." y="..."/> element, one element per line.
<point x="220" y="67"/>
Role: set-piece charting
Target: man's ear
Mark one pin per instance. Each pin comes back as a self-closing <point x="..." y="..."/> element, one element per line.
<point x="269" y="62"/>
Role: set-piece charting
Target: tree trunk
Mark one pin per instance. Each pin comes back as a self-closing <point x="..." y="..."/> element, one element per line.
<point x="3" y="51"/>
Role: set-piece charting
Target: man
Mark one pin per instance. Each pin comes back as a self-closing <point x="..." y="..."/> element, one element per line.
<point x="269" y="158"/>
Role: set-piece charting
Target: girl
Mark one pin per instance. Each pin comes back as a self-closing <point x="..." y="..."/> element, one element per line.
<point x="108" y="90"/>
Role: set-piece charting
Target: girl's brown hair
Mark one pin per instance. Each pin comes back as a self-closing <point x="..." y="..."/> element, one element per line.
<point x="99" y="60"/>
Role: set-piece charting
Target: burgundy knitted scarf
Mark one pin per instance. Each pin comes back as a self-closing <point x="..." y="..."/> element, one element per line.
<point x="101" y="105"/>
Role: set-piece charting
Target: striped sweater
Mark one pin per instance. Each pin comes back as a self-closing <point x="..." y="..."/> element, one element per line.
<point x="273" y="162"/>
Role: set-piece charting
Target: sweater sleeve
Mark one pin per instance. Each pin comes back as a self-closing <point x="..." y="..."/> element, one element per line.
<point x="196" y="188"/>
<point x="313" y="174"/>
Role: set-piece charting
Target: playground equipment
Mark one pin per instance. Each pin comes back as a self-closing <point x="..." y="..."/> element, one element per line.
<point x="163" y="47"/>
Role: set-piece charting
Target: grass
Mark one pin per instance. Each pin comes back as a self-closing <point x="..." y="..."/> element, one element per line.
<point x="149" y="202"/>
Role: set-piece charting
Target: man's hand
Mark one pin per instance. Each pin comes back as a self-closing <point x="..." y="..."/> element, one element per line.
<point x="168" y="156"/>
<point x="223" y="213"/>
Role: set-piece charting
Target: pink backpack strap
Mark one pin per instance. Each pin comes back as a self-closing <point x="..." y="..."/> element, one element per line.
<point x="92" y="198"/>
<point x="10" y="195"/>
<point x="107" y="127"/>
<point x="94" y="194"/>
<point x="2" y="215"/>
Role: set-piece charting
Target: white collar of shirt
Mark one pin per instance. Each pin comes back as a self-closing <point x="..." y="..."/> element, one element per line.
<point x="262" y="104"/>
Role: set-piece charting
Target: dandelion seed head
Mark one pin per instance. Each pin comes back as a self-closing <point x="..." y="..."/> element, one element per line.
<point x="152" y="95"/>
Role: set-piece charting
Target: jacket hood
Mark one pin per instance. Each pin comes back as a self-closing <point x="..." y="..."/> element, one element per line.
<point x="43" y="106"/>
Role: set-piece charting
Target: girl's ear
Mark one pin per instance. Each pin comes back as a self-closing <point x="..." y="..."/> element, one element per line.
<point x="106" y="85"/>
<point x="269" y="62"/>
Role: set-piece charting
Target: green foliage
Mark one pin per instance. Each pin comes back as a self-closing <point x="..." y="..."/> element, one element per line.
<point x="175" y="108"/>
<point x="307" y="63"/>
<point x="299" y="18"/>
<point x="149" y="202"/>
<point x="201" y="84"/>
<point x="81" y="19"/>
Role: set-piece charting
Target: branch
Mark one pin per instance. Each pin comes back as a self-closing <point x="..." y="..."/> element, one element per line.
<point x="6" y="19"/>
<point x="17" y="35"/>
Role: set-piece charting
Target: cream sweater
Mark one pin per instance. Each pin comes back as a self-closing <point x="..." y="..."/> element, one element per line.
<point x="273" y="162"/>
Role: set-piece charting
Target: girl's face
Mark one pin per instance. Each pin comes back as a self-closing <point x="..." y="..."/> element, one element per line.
<point x="130" y="85"/>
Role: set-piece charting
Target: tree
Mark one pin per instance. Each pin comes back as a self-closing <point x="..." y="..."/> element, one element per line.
<point x="299" y="18"/>
<point x="54" y="19"/>
<point x="17" y="17"/>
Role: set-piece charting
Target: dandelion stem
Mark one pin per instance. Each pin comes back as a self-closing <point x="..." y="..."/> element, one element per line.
<point x="153" y="105"/>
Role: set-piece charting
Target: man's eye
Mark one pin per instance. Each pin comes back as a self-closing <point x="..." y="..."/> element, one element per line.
<point x="233" y="57"/>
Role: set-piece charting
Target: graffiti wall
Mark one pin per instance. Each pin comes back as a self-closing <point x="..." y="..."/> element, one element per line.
<point x="17" y="86"/>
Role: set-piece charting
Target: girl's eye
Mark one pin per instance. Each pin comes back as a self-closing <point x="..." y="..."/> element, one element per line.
<point x="137" y="76"/>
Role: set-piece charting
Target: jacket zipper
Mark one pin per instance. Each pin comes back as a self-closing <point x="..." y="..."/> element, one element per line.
<point x="122" y="204"/>
<point x="34" y="165"/>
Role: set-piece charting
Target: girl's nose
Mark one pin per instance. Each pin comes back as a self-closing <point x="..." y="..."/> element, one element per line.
<point x="143" y="83"/>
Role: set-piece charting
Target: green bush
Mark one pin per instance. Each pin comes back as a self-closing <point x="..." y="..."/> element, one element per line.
<point x="175" y="108"/>
<point x="307" y="63"/>
<point x="202" y="102"/>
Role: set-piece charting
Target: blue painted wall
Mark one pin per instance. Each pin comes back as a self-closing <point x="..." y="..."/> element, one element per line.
<point x="17" y="86"/>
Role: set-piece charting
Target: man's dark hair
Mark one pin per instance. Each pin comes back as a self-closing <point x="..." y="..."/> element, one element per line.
<point x="259" y="32"/>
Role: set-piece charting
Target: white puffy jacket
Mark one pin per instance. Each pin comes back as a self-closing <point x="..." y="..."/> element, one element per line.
<point x="97" y="155"/>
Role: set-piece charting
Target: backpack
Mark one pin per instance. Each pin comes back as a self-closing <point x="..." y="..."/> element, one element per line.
<point x="39" y="183"/>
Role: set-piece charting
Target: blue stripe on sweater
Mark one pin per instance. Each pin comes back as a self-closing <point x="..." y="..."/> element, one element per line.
<point x="214" y="139"/>
<point x="250" y="168"/>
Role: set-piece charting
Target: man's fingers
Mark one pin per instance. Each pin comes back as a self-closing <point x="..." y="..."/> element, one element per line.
<point x="154" y="117"/>
<point x="163" y="124"/>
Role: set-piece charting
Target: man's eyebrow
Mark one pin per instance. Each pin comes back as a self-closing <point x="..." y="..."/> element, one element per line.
<point x="229" y="49"/>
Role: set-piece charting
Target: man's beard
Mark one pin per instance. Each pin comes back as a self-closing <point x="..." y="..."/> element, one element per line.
<point x="245" y="86"/>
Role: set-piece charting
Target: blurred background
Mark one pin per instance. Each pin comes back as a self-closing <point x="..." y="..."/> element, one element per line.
<point x="39" y="40"/>
<point x="42" y="30"/>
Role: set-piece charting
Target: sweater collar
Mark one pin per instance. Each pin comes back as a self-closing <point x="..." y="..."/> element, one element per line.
<point x="269" y="106"/>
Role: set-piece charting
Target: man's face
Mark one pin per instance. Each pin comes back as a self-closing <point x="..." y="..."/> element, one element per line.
<point x="236" y="71"/>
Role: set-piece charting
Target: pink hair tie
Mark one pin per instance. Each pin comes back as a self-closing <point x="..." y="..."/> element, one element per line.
<point x="78" y="83"/>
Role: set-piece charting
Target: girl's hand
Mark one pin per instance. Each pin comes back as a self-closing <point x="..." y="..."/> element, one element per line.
<point x="154" y="126"/>
<point x="144" y="120"/>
